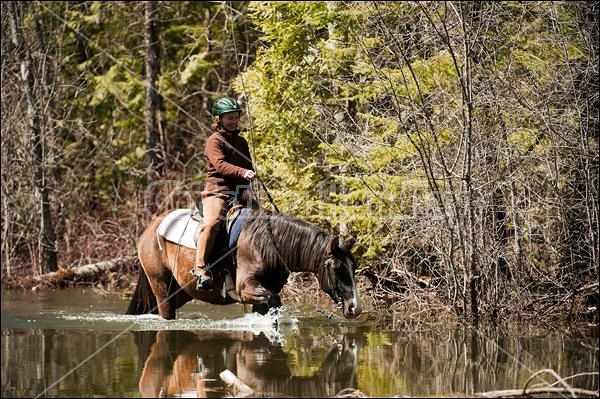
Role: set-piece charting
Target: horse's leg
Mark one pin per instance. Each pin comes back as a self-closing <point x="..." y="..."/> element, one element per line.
<point x="260" y="308"/>
<point x="263" y="308"/>
<point x="174" y="262"/>
<point x="248" y="288"/>
<point x="251" y="291"/>
<point x="162" y="282"/>
<point x="169" y="294"/>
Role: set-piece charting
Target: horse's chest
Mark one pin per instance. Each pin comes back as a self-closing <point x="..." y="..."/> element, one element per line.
<point x="273" y="279"/>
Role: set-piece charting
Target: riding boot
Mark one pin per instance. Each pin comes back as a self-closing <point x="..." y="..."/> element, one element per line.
<point x="205" y="279"/>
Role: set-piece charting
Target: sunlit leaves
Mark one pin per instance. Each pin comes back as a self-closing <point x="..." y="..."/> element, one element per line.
<point x="196" y="67"/>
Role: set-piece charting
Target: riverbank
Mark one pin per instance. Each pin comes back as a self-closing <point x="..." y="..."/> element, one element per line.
<point x="407" y="307"/>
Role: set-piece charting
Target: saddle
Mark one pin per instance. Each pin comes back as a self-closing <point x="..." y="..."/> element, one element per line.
<point x="231" y="229"/>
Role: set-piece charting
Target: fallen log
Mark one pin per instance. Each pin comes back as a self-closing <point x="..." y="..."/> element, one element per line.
<point x="543" y="392"/>
<point x="565" y="390"/>
<point x="85" y="273"/>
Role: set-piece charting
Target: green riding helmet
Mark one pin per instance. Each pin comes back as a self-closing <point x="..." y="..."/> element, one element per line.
<point x="224" y="105"/>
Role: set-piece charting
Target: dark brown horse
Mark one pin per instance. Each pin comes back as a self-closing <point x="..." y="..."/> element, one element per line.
<point x="269" y="247"/>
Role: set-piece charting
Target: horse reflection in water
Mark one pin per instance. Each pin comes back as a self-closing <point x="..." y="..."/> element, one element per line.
<point x="185" y="363"/>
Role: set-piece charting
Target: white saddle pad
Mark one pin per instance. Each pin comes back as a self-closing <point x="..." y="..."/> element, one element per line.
<point x="179" y="227"/>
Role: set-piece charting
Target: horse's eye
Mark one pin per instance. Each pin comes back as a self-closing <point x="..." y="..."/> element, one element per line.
<point x="334" y="263"/>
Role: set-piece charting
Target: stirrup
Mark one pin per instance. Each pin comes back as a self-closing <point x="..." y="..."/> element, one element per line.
<point x="205" y="281"/>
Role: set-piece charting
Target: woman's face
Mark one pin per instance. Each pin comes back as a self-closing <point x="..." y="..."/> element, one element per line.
<point x="230" y="120"/>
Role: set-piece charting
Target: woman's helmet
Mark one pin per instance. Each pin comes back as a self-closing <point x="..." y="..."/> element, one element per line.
<point x="224" y="105"/>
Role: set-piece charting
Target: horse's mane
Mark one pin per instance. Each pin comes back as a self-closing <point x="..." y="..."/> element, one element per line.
<point x="285" y="240"/>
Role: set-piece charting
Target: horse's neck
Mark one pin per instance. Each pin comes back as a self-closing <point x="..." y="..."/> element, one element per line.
<point x="300" y="249"/>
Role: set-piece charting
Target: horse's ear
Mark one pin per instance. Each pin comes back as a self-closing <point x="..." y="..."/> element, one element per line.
<point x="334" y="243"/>
<point x="350" y="242"/>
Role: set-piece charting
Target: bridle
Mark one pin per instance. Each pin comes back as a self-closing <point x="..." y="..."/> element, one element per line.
<point x="328" y="283"/>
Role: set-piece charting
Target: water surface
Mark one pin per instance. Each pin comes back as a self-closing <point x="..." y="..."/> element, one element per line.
<point x="77" y="343"/>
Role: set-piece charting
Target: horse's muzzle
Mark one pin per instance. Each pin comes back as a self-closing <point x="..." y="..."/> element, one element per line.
<point x="352" y="308"/>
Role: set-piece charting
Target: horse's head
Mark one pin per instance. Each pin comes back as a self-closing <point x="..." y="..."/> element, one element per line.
<point x="337" y="278"/>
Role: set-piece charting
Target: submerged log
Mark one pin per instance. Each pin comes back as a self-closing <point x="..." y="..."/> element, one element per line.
<point x="238" y="388"/>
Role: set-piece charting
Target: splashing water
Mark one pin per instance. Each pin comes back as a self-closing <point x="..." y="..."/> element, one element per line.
<point x="275" y="325"/>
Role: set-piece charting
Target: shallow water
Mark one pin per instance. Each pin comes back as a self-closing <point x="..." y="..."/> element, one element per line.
<point x="76" y="343"/>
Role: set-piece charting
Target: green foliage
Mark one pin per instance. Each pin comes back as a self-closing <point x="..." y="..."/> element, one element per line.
<point x="376" y="123"/>
<point x="295" y="89"/>
<point x="364" y="116"/>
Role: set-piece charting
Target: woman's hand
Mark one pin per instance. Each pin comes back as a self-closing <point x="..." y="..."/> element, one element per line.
<point x="249" y="175"/>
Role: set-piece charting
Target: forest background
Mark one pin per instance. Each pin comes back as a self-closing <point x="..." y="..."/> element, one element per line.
<point x="456" y="143"/>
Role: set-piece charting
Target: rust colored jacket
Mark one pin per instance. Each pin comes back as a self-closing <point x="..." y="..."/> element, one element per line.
<point x="227" y="159"/>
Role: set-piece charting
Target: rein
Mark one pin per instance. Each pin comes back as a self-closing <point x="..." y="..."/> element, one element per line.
<point x="325" y="272"/>
<point x="268" y="195"/>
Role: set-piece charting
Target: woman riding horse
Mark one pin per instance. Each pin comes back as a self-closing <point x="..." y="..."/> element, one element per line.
<point x="229" y="173"/>
<point x="269" y="247"/>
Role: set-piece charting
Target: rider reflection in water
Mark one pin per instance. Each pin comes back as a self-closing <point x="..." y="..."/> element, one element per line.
<point x="229" y="172"/>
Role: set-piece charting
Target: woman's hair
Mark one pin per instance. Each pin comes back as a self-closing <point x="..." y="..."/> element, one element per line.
<point x="216" y="125"/>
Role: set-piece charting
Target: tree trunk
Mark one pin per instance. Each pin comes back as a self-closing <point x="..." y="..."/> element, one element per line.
<point x="48" y="99"/>
<point x="154" y="148"/>
<point x="49" y="262"/>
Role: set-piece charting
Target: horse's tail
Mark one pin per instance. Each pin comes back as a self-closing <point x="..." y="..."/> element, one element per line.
<point x="143" y="300"/>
